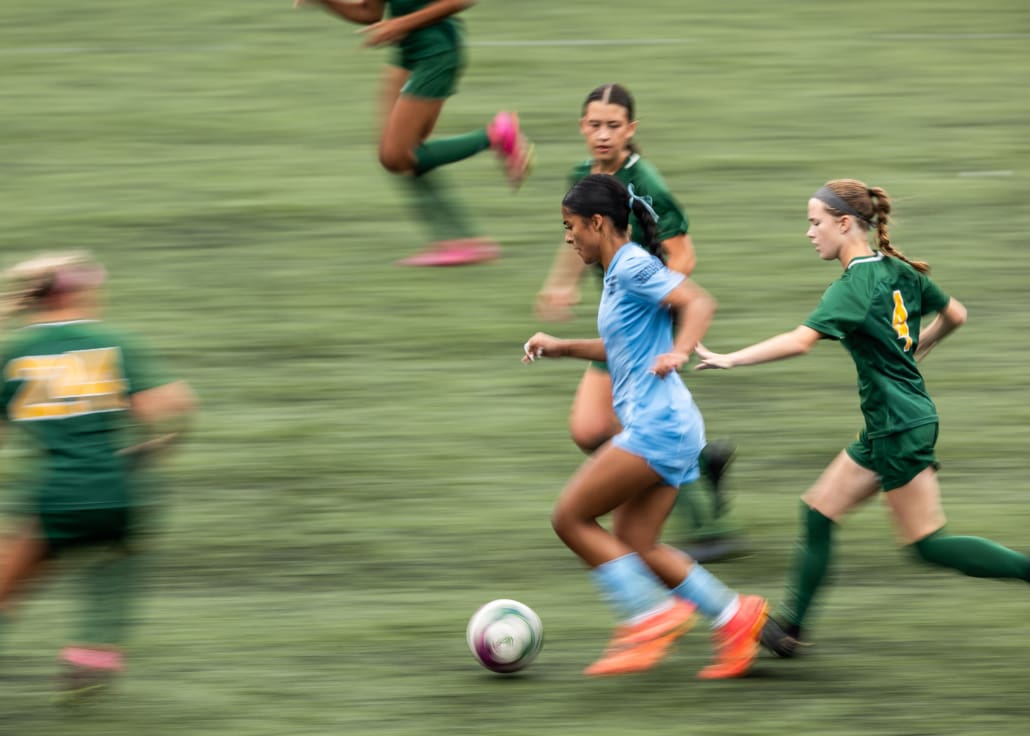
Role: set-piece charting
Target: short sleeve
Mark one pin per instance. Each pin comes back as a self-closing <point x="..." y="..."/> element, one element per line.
<point x="648" y="279"/>
<point x="840" y="311"/>
<point x="138" y="366"/>
<point x="933" y="297"/>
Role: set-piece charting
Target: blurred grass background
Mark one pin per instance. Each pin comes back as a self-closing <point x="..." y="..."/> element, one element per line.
<point x="373" y="462"/>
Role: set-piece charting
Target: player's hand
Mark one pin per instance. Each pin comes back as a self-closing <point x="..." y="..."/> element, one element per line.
<point x="711" y="360"/>
<point x="669" y="363"/>
<point x="384" y="33"/>
<point x="555" y="304"/>
<point x="541" y="345"/>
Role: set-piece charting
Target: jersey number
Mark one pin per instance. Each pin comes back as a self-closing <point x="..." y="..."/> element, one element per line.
<point x="900" y="320"/>
<point x="67" y="384"/>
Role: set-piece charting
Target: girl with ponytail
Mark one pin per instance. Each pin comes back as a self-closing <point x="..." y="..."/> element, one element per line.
<point x="876" y="310"/>
<point x="636" y="475"/>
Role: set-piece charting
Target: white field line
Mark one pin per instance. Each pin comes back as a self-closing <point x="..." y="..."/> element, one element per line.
<point x="491" y="43"/>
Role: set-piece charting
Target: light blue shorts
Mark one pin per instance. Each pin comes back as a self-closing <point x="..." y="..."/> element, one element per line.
<point x="671" y="449"/>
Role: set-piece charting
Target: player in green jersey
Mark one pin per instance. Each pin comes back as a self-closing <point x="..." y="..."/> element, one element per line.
<point x="94" y="412"/>
<point x="608" y="124"/>
<point x="875" y="310"/>
<point x="429" y="58"/>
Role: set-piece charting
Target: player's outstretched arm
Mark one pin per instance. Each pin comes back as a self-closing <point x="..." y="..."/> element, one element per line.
<point x="542" y="345"/>
<point x="785" y="345"/>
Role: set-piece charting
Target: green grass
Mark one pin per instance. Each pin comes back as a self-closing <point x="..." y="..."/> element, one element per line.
<point x="372" y="461"/>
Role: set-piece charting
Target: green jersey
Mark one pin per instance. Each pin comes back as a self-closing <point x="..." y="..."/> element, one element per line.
<point x="647" y="182"/>
<point x="875" y="309"/>
<point x="67" y="385"/>
<point x="429" y="41"/>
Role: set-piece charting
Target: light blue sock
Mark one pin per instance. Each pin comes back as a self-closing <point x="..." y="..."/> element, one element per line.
<point x="630" y="586"/>
<point x="706" y="592"/>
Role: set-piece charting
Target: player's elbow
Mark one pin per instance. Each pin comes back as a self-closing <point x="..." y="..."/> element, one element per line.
<point x="956" y="313"/>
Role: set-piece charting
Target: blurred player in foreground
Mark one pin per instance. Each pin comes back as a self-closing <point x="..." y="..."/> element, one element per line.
<point x="875" y="310"/>
<point x="637" y="474"/>
<point x="608" y="124"/>
<point x="428" y="62"/>
<point x="94" y="412"/>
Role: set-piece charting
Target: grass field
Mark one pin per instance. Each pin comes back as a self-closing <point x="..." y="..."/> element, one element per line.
<point x="373" y="462"/>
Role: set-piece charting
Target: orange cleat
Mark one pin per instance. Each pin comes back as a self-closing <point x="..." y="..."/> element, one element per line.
<point x="640" y="646"/>
<point x="736" y="643"/>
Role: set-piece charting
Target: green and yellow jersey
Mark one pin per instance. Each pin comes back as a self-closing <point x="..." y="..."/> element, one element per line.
<point x="875" y="310"/>
<point x="67" y="386"/>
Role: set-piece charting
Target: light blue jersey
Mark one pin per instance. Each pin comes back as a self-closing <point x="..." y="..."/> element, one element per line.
<point x="661" y="423"/>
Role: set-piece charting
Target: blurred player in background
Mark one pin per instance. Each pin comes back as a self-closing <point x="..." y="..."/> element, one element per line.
<point x="875" y="310"/>
<point x="608" y="124"/>
<point x="94" y="412"/>
<point x="637" y="474"/>
<point x="428" y="61"/>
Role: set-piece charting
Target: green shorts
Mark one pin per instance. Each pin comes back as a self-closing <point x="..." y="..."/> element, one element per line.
<point x="897" y="458"/>
<point x="435" y="77"/>
<point x="599" y="365"/>
<point x="63" y="530"/>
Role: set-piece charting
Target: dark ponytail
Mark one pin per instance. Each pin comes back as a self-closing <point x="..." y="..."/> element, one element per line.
<point x="603" y="194"/>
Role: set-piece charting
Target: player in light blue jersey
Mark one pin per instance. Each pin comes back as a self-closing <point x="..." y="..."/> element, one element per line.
<point x="636" y="475"/>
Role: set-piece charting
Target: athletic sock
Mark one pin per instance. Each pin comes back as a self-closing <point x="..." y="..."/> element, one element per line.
<point x="109" y="592"/>
<point x="711" y="596"/>
<point x="630" y="586"/>
<point x="444" y="217"/>
<point x="441" y="151"/>
<point x="811" y="562"/>
<point x="973" y="556"/>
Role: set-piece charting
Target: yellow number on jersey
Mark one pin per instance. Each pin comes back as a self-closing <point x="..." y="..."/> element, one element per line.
<point x="900" y="320"/>
<point x="67" y="384"/>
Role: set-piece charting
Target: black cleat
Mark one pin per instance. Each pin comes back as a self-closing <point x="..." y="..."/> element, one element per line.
<point x="783" y="640"/>
<point x="713" y="549"/>
<point x="717" y="457"/>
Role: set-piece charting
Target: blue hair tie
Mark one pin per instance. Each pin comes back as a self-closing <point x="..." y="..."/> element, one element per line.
<point x="645" y="200"/>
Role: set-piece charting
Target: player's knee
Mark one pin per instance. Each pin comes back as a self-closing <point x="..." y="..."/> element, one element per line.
<point x="589" y="437"/>
<point x="395" y="160"/>
<point x="567" y="521"/>
<point x="562" y="522"/>
<point x="931" y="549"/>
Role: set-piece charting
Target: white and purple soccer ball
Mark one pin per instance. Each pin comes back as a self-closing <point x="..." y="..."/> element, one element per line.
<point x="505" y="635"/>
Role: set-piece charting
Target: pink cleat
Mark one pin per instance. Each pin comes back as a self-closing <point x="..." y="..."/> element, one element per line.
<point x="85" y="670"/>
<point x="512" y="146"/>
<point x="458" y="252"/>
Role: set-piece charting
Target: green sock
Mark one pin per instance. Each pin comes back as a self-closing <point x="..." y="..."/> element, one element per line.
<point x="973" y="556"/>
<point x="448" y="150"/>
<point x="691" y="508"/>
<point x="811" y="562"/>
<point x="442" y="215"/>
<point x="109" y="592"/>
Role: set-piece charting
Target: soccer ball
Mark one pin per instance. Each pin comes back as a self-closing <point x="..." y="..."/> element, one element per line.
<point x="505" y="635"/>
